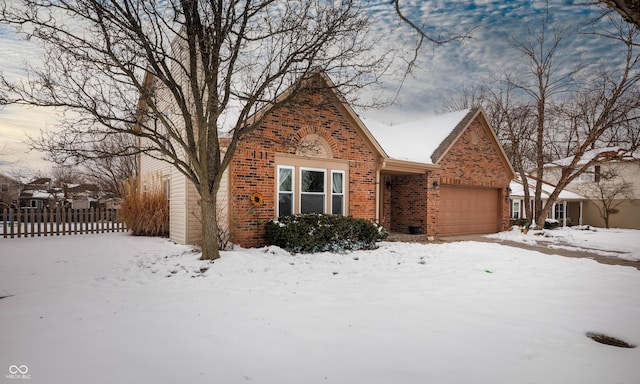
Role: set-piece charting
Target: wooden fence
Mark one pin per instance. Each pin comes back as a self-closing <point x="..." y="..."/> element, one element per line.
<point x="32" y="222"/>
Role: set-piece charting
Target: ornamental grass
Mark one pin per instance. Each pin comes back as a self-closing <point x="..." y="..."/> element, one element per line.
<point x="145" y="212"/>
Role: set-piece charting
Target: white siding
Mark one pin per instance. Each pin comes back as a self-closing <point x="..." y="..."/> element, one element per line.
<point x="184" y="225"/>
<point x="192" y="223"/>
<point x="177" y="211"/>
<point x="223" y="201"/>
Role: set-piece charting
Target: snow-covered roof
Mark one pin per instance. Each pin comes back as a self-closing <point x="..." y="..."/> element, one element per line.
<point x="517" y="190"/>
<point x="38" y="194"/>
<point x="586" y="157"/>
<point x="415" y="140"/>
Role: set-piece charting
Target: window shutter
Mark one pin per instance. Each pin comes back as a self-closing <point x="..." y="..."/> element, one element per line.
<point x="596" y="172"/>
<point x="564" y="171"/>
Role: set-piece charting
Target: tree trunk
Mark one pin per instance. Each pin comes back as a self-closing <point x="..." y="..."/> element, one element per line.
<point x="210" y="241"/>
<point x="541" y="217"/>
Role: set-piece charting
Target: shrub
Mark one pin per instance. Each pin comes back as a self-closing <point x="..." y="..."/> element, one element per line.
<point x="523" y="223"/>
<point x="551" y="224"/>
<point x="311" y="233"/>
<point x="145" y="213"/>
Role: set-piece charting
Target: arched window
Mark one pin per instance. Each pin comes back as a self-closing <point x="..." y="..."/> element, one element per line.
<point x="314" y="145"/>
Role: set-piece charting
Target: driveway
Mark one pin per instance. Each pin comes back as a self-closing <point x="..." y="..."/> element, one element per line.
<point x="544" y="248"/>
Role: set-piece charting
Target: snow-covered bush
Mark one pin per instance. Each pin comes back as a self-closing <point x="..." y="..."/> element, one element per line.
<point x="551" y="224"/>
<point x="311" y="233"/>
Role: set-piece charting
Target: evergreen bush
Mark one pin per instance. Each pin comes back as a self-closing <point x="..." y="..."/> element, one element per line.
<point x="310" y="233"/>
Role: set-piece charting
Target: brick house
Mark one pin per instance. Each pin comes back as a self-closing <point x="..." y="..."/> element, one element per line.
<point x="320" y="156"/>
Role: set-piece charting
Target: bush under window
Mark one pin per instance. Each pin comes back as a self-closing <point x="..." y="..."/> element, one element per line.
<point x="310" y="233"/>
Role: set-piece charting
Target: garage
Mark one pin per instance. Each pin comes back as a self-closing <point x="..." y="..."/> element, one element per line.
<point x="467" y="211"/>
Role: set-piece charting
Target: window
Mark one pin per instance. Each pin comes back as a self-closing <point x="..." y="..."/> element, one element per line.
<point x="591" y="174"/>
<point x="337" y="192"/>
<point x="306" y="185"/>
<point x="285" y="191"/>
<point x="5" y="187"/>
<point x="312" y="191"/>
<point x="515" y="209"/>
<point x="587" y="176"/>
<point x="558" y="211"/>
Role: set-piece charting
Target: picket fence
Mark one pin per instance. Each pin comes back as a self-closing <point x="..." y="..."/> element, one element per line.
<point x="32" y="222"/>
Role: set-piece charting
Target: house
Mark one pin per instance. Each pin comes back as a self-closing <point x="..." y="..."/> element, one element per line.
<point x="441" y="176"/>
<point x="10" y="189"/>
<point x="39" y="194"/>
<point x="81" y="196"/>
<point x="615" y="179"/>
<point x="568" y="209"/>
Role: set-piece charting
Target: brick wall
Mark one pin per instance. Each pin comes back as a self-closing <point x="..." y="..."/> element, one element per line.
<point x="407" y="203"/>
<point x="474" y="161"/>
<point x="253" y="168"/>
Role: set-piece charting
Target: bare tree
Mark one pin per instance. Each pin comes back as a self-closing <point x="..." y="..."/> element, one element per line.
<point x="572" y="117"/>
<point x="107" y="163"/>
<point x="514" y="123"/>
<point x="607" y="102"/>
<point x="115" y="65"/>
<point x="628" y="9"/>
<point x="608" y="191"/>
<point x="541" y="81"/>
<point x="469" y="98"/>
<point x="63" y="175"/>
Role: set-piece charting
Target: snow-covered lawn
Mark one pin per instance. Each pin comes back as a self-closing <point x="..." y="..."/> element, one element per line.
<point x="117" y="309"/>
<point x="613" y="242"/>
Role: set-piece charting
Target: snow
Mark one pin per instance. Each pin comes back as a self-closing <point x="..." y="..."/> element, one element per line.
<point x="414" y="140"/>
<point x="517" y="190"/>
<point x="585" y="158"/>
<point x="612" y="242"/>
<point x="113" y="308"/>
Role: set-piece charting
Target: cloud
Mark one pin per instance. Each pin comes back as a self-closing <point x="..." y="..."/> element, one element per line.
<point x="446" y="70"/>
<point x="442" y="71"/>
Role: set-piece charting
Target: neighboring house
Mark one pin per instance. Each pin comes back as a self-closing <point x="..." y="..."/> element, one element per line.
<point x="40" y="194"/>
<point x="109" y="202"/>
<point x="568" y="208"/>
<point x="617" y="180"/>
<point x="82" y="196"/>
<point x="440" y="176"/>
<point x="9" y="192"/>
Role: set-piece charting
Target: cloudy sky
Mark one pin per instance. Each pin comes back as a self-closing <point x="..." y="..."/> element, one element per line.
<point x="442" y="71"/>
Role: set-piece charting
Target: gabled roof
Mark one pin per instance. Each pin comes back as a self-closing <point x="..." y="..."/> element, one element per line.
<point x="427" y="139"/>
<point x="330" y="85"/>
<point x="413" y="147"/>
<point x="415" y="141"/>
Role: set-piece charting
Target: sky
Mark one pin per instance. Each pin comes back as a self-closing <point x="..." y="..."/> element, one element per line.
<point x="442" y="71"/>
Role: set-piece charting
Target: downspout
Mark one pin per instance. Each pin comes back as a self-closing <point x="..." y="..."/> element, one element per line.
<point x="378" y="192"/>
